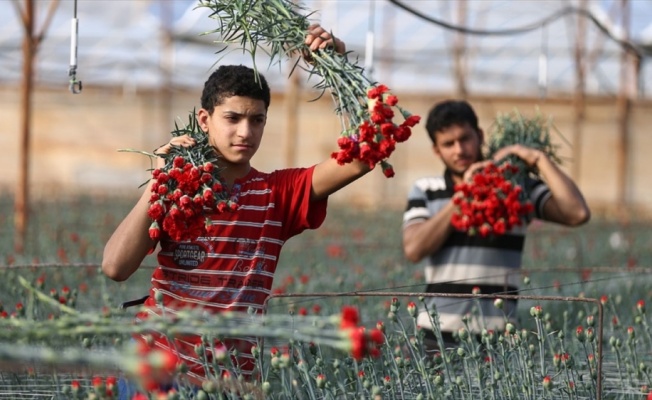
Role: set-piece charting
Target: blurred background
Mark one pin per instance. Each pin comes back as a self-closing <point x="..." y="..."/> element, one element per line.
<point x="584" y="63"/>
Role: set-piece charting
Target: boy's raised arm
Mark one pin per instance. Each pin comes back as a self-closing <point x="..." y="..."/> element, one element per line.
<point x="329" y="176"/>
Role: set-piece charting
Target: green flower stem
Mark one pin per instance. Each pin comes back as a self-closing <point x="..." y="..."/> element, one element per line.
<point x="277" y="27"/>
<point x="541" y="339"/>
<point x="619" y="368"/>
<point x="646" y="329"/>
<point x="419" y="359"/>
<point x="44" y="297"/>
<point x="523" y="369"/>
<point x="434" y="322"/>
<point x="593" y="381"/>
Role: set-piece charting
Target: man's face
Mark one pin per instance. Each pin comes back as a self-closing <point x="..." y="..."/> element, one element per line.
<point x="458" y="146"/>
<point x="235" y="128"/>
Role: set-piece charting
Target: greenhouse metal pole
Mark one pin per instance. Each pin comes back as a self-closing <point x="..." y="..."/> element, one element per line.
<point x="30" y="45"/>
<point x="22" y="191"/>
<point x="166" y="65"/>
<point x="579" y="99"/>
<point x="623" y="108"/>
<point x="459" y="51"/>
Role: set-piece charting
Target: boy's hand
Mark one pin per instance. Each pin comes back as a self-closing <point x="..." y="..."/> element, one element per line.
<point x="319" y="38"/>
<point x="183" y="141"/>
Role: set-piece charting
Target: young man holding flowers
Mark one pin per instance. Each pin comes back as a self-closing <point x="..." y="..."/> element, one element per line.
<point x="471" y="261"/>
<point x="232" y="267"/>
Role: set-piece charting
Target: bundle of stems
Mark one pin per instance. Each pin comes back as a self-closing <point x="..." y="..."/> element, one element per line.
<point x="279" y="28"/>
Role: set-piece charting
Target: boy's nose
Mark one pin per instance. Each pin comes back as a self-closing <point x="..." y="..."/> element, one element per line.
<point x="244" y="130"/>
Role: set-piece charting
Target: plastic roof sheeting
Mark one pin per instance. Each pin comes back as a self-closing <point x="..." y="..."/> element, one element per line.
<point x="122" y="43"/>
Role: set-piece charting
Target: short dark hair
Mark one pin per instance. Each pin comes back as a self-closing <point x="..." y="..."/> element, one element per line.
<point x="233" y="80"/>
<point x="448" y="113"/>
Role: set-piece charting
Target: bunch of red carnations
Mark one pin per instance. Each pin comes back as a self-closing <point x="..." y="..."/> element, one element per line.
<point x="490" y="204"/>
<point x="374" y="140"/>
<point x="187" y="189"/>
<point x="497" y="198"/>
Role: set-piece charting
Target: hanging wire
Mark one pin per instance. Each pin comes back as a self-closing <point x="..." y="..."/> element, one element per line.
<point x="527" y="28"/>
<point x="543" y="63"/>
<point x="369" y="47"/>
<point x="75" y="86"/>
<point x="521" y="291"/>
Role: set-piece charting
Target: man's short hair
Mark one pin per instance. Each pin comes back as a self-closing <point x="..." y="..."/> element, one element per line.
<point x="233" y="80"/>
<point x="448" y="113"/>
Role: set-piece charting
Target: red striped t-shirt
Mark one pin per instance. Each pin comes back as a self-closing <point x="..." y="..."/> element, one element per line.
<point x="232" y="268"/>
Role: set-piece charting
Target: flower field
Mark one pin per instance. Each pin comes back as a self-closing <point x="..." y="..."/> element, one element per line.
<point x="62" y="335"/>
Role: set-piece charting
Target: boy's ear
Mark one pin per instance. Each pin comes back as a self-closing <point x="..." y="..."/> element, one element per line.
<point x="481" y="135"/>
<point x="202" y="119"/>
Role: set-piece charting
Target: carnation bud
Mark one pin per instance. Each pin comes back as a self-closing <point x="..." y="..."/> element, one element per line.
<point x="154" y="231"/>
<point x="394" y="305"/>
<point x="499" y="303"/>
<point x="536" y="311"/>
<point x="510" y="328"/>
<point x="412" y="309"/>
<point x="590" y="334"/>
<point x="590" y="320"/>
<point x="321" y="381"/>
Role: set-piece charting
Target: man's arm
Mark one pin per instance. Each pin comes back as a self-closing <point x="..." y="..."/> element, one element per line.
<point x="421" y="239"/>
<point x="566" y="206"/>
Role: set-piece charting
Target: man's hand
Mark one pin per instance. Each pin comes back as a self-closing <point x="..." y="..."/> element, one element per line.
<point x="473" y="168"/>
<point x="529" y="155"/>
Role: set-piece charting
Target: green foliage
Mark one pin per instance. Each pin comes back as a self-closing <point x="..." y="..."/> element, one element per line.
<point x="514" y="128"/>
<point x="278" y="28"/>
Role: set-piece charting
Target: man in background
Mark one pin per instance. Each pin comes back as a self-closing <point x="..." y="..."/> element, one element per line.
<point x="458" y="262"/>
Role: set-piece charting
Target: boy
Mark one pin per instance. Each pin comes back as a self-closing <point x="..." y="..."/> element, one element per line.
<point x="232" y="268"/>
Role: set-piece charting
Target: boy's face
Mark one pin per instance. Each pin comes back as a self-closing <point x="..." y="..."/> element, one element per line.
<point x="458" y="146"/>
<point x="235" y="128"/>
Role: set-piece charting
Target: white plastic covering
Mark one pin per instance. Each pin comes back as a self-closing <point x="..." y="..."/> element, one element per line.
<point x="121" y="43"/>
